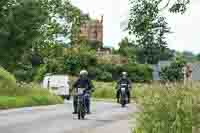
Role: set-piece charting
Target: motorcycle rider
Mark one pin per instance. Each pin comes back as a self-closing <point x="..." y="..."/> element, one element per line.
<point x="124" y="80"/>
<point x="83" y="82"/>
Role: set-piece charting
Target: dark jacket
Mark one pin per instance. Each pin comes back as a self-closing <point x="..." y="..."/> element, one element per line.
<point x="123" y="81"/>
<point x="83" y="83"/>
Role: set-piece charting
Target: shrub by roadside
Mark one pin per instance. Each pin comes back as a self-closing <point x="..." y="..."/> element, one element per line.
<point x="7" y="83"/>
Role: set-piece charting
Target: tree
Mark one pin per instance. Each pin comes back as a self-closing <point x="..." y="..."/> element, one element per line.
<point x="174" y="6"/>
<point x="128" y="50"/>
<point x="136" y="53"/>
<point x="17" y="35"/>
<point x="149" y="29"/>
<point x="123" y="46"/>
<point x="75" y="30"/>
<point x="178" y="6"/>
<point x="43" y="21"/>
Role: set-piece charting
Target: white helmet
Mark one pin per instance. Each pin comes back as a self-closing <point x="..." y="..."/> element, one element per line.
<point x="124" y="73"/>
<point x="83" y="72"/>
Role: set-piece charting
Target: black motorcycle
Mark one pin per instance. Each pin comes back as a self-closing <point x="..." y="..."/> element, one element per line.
<point x="82" y="96"/>
<point x="123" y="94"/>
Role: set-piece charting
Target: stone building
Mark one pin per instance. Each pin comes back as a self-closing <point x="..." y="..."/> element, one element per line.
<point x="92" y="30"/>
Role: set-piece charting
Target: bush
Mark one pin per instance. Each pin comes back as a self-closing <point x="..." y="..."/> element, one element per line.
<point x="94" y="72"/>
<point x="7" y="77"/>
<point x="55" y="65"/>
<point x="72" y="64"/>
<point x="166" y="109"/>
<point x="7" y="83"/>
<point x="174" y="71"/>
<point x="105" y="76"/>
<point x="40" y="72"/>
<point x="75" y="61"/>
<point x="22" y="75"/>
<point x="139" y="72"/>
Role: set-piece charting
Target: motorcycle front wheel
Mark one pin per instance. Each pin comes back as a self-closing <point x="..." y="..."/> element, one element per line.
<point x="81" y="112"/>
<point x="123" y="100"/>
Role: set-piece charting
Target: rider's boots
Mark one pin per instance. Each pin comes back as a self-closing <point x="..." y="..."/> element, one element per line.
<point x="117" y="100"/>
<point x="88" y="105"/>
<point x="75" y="105"/>
<point x="129" y="101"/>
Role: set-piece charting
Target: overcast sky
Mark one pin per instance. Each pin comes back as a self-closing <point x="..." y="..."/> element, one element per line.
<point x="186" y="27"/>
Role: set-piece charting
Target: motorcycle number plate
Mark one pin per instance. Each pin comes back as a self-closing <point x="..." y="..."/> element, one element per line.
<point x="80" y="91"/>
<point x="123" y="89"/>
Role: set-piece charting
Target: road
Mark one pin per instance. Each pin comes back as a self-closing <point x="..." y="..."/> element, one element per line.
<point x="105" y="118"/>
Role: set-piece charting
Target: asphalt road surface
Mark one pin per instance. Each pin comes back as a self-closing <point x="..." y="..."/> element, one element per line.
<point x="105" y="118"/>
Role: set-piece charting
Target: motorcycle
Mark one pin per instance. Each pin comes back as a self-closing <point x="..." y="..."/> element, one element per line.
<point x="82" y="96"/>
<point x="123" y="95"/>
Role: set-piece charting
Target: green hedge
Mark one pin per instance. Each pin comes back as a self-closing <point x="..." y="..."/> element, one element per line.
<point x="110" y="72"/>
<point x="73" y="62"/>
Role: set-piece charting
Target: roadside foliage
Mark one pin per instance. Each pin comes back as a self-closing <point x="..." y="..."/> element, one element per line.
<point x="14" y="94"/>
<point x="171" y="108"/>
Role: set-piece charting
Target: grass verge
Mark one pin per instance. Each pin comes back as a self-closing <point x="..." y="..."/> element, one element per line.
<point x="168" y="109"/>
<point x="15" y="95"/>
<point x="7" y="102"/>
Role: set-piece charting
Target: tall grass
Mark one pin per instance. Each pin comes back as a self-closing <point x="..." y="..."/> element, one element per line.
<point x="167" y="109"/>
<point x="172" y="108"/>
<point x="104" y="90"/>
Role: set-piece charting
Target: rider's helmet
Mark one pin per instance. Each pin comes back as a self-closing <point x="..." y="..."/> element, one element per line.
<point x="124" y="75"/>
<point x="83" y="73"/>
